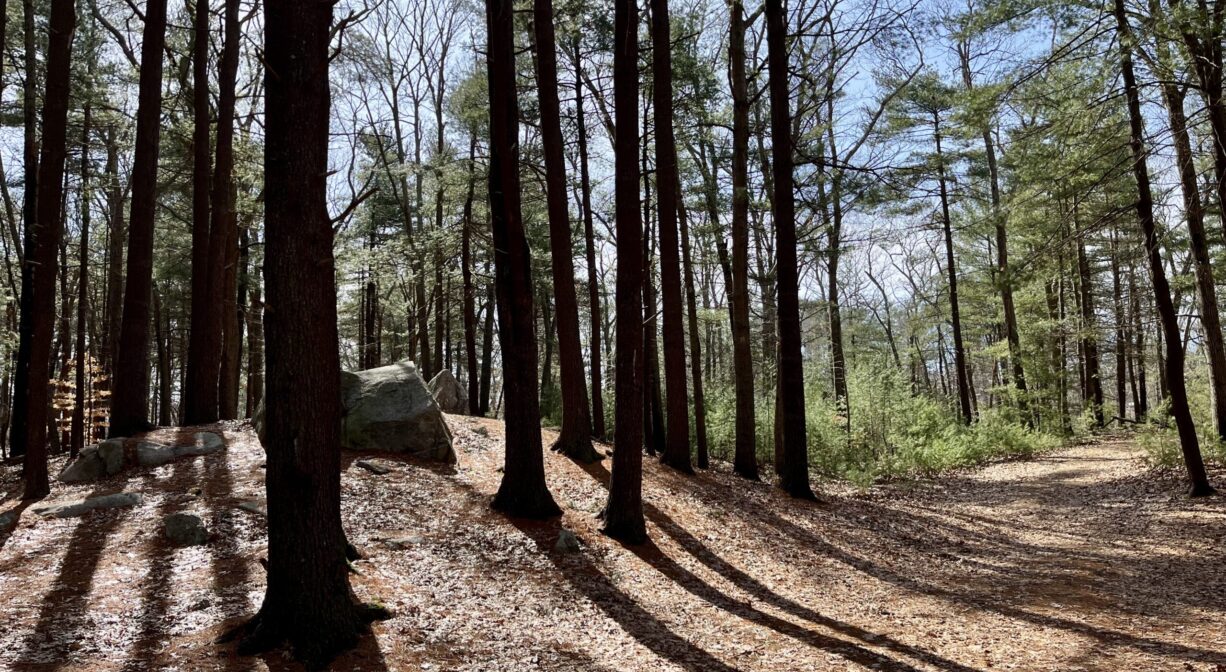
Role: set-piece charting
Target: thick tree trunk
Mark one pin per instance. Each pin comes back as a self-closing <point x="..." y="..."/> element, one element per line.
<point x="204" y="341"/>
<point x="794" y="476"/>
<point x="225" y="224"/>
<point x="1166" y="310"/>
<point x="589" y="240"/>
<point x="307" y="602"/>
<point x="523" y="491"/>
<point x="676" y="452"/>
<point x="29" y="215"/>
<point x="745" y="461"/>
<point x="48" y="231"/>
<point x="623" y="515"/>
<point x="130" y="400"/>
<point x="575" y="435"/>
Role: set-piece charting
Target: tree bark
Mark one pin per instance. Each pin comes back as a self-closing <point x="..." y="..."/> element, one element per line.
<point x="1188" y="441"/>
<point x="225" y="223"/>
<point x="204" y="341"/>
<point x="470" y="291"/>
<point x="589" y="240"/>
<point x="964" y="394"/>
<point x="1089" y="338"/>
<point x="29" y="215"/>
<point x="677" y="447"/>
<point x="79" y="437"/>
<point x="130" y="400"/>
<point x="523" y="491"/>
<point x="575" y="435"/>
<point x="623" y="514"/>
<point x="307" y="602"/>
<point x="47" y="233"/>
<point x="794" y="476"/>
<point x="745" y="461"/>
<point x="691" y="305"/>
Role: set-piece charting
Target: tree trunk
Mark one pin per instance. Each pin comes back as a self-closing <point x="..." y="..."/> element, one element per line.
<point x="700" y="404"/>
<point x="79" y="438"/>
<point x="130" y="400"/>
<point x="307" y="602"/>
<point x="255" y="352"/>
<point x="523" y="492"/>
<point x="589" y="240"/>
<point x="676" y="452"/>
<point x="1089" y="338"/>
<point x="1121" y="333"/>
<point x="575" y="435"/>
<point x="200" y="402"/>
<point x="48" y="231"/>
<point x="1162" y="292"/>
<point x="225" y="224"/>
<point x="745" y="461"/>
<point x="29" y="215"/>
<point x="116" y="234"/>
<point x="794" y="478"/>
<point x="165" y="383"/>
<point x="1194" y="213"/>
<point x="623" y="515"/>
<point x="487" y="346"/>
<point x="466" y="269"/>
<point x="963" y="380"/>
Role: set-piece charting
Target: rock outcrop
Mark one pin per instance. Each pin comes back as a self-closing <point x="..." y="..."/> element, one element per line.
<point x="74" y="509"/>
<point x="448" y="393"/>
<point x="390" y="409"/>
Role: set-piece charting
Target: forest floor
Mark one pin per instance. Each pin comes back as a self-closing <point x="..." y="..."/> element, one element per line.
<point x="1082" y="559"/>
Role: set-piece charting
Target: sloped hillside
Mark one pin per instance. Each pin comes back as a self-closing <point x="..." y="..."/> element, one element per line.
<point x="1072" y="562"/>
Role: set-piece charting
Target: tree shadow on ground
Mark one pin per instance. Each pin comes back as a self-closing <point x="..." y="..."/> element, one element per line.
<point x="853" y="651"/>
<point x="62" y="615"/>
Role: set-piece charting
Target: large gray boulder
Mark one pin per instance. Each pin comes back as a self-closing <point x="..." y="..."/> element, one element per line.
<point x="111" y="452"/>
<point x="448" y="392"/>
<point x="390" y="409"/>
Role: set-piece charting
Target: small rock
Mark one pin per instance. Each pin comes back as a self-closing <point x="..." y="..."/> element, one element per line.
<point x="186" y="529"/>
<point x="567" y="542"/>
<point x="206" y="443"/>
<point x="87" y="467"/>
<point x="8" y="521"/>
<point x="74" y="509"/>
<point x="374" y="466"/>
<point x="401" y="543"/>
<point x="111" y="452"/>
<point x="254" y="506"/>
<point x="481" y="431"/>
<point x="201" y="604"/>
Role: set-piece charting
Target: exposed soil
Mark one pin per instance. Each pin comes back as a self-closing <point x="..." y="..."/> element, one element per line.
<point x="1080" y="560"/>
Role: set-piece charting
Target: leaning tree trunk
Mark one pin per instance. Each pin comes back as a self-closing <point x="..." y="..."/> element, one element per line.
<point x="307" y="602"/>
<point x="575" y="435"/>
<point x="48" y="230"/>
<point x="130" y="399"/>
<point x="794" y="476"/>
<point x="623" y="514"/>
<point x="523" y="491"/>
<point x="1162" y="291"/>
<point x="1194" y="213"/>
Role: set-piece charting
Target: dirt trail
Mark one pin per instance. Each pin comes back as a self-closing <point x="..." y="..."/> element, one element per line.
<point x="1079" y="560"/>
